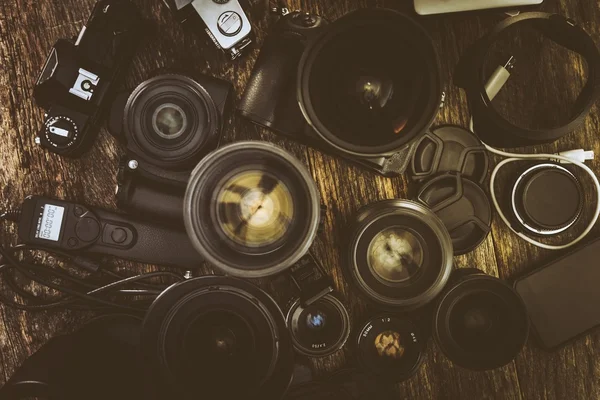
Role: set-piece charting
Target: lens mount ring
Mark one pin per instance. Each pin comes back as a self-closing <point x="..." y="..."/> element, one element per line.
<point x="361" y="19"/>
<point x="199" y="117"/>
<point x="436" y="268"/>
<point x="200" y="203"/>
<point x="293" y="319"/>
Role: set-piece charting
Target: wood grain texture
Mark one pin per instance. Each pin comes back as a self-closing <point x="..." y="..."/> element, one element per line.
<point x="546" y="80"/>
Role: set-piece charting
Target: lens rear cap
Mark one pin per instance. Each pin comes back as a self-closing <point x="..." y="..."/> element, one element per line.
<point x="463" y="207"/>
<point x="450" y="148"/>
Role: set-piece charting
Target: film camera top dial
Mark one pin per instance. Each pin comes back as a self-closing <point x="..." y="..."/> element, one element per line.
<point x="60" y="131"/>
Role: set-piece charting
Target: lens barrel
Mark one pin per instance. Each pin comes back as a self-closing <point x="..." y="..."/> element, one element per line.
<point x="319" y="329"/>
<point x="480" y="322"/>
<point x="399" y="254"/>
<point x="370" y="84"/>
<point x="172" y="121"/>
<point x="251" y="209"/>
<point x="390" y="348"/>
<point x="220" y="336"/>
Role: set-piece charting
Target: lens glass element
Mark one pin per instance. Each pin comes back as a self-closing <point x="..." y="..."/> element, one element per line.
<point x="390" y="348"/>
<point x="395" y="254"/>
<point x="321" y="328"/>
<point x="255" y="208"/>
<point x="169" y="121"/>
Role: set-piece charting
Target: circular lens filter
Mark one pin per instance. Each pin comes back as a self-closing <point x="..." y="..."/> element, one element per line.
<point x="390" y="348"/>
<point x="450" y="148"/>
<point x="547" y="199"/>
<point x="319" y="329"/>
<point x="463" y="207"/>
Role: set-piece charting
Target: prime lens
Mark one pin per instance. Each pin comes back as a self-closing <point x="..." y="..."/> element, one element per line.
<point x="399" y="254"/>
<point x="319" y="329"/>
<point x="251" y="209"/>
<point x="480" y="322"/>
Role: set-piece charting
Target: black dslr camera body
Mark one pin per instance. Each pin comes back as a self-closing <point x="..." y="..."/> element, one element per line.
<point x="364" y="87"/>
<point x="168" y="124"/>
<point x="224" y="21"/>
<point x="79" y="77"/>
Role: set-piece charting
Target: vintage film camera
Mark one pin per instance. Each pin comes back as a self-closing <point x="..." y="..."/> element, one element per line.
<point x="79" y="77"/>
<point x="224" y="21"/>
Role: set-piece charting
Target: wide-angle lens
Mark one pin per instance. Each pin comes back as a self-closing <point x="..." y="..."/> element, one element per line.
<point x="255" y="218"/>
<point x="370" y="83"/>
<point x="220" y="336"/>
<point x="399" y="254"/>
<point x="320" y="328"/>
<point x="480" y="322"/>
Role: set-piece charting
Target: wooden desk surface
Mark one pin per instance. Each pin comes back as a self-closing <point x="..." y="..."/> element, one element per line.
<point x="545" y="80"/>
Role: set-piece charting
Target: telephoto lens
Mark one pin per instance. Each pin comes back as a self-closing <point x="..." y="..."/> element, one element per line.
<point x="217" y="337"/>
<point x="480" y="322"/>
<point x="251" y="209"/>
<point x="319" y="329"/>
<point x="390" y="348"/>
<point x="399" y="254"/>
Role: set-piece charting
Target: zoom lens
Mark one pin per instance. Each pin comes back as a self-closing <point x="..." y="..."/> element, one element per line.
<point x="370" y="84"/>
<point x="390" y="348"/>
<point x="480" y="323"/>
<point x="255" y="218"/>
<point x="220" y="336"/>
<point x="173" y="121"/>
<point x="319" y="329"/>
<point x="399" y="254"/>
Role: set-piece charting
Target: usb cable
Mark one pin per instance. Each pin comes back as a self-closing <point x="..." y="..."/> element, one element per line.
<point x="576" y="157"/>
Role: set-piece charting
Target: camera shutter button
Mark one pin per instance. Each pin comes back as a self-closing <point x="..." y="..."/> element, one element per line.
<point x="87" y="229"/>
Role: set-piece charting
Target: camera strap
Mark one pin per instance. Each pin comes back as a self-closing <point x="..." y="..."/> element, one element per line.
<point x="311" y="279"/>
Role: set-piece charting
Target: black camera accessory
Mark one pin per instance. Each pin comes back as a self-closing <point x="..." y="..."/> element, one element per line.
<point x="217" y="337"/>
<point x="319" y="323"/>
<point x="546" y="199"/>
<point x="71" y="227"/>
<point x="269" y="99"/>
<point x="463" y="207"/>
<point x="370" y="85"/>
<point x="562" y="297"/>
<point x="168" y="123"/>
<point x="390" y="348"/>
<point x="253" y="218"/>
<point x="494" y="129"/>
<point x="224" y="21"/>
<point x="450" y="148"/>
<point x="79" y="79"/>
<point x="480" y="322"/>
<point x="399" y="254"/>
<point x="79" y="365"/>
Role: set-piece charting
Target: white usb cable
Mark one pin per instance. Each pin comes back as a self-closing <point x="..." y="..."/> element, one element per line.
<point x="575" y="157"/>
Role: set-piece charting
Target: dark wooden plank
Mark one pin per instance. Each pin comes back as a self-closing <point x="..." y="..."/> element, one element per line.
<point x="28" y="29"/>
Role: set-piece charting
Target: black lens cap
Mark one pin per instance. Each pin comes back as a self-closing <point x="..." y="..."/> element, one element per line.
<point x="463" y="207"/>
<point x="547" y="199"/>
<point x="450" y="148"/>
<point x="390" y="348"/>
